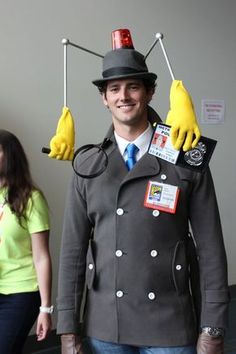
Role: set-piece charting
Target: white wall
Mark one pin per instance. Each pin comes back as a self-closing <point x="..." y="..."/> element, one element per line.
<point x="199" y="39"/>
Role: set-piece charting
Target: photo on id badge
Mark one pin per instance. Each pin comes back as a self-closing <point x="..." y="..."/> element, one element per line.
<point x="155" y="193"/>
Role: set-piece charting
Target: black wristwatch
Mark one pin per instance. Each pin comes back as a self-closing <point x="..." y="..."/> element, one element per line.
<point x="213" y="331"/>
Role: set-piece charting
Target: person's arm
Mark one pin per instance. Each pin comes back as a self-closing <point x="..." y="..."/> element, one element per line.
<point x="72" y="266"/>
<point x="206" y="226"/>
<point x="43" y="266"/>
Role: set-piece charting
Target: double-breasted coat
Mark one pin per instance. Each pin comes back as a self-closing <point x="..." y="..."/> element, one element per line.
<point x="134" y="260"/>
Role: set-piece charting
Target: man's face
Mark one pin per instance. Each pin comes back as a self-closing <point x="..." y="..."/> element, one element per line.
<point x="127" y="100"/>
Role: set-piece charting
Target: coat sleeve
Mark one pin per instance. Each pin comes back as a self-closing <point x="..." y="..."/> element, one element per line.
<point x="207" y="232"/>
<point x="74" y="245"/>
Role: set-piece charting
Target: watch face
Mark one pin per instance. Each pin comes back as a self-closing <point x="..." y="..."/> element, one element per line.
<point x="216" y="332"/>
<point x="213" y="332"/>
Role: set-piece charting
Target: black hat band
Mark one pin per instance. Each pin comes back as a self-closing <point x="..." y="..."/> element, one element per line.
<point x="122" y="70"/>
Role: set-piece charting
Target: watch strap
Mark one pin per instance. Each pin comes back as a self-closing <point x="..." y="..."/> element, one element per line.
<point x="45" y="309"/>
<point x="213" y="331"/>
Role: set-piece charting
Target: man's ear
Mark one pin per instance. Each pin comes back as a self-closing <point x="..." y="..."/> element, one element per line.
<point x="150" y="94"/>
<point x="104" y="99"/>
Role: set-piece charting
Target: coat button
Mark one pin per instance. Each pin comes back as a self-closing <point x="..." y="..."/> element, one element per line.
<point x="155" y="213"/>
<point x="90" y="266"/>
<point x="163" y="177"/>
<point x="119" y="293"/>
<point x="119" y="253"/>
<point x="154" y="253"/>
<point x="120" y="211"/>
<point x="151" y="296"/>
<point x="178" y="267"/>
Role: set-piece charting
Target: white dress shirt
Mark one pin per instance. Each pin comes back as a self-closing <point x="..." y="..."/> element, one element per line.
<point x="142" y="142"/>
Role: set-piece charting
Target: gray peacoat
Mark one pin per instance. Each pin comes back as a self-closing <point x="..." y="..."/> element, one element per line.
<point x="135" y="261"/>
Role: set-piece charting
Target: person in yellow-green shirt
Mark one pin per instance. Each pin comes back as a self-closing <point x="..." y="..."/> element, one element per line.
<point x="25" y="262"/>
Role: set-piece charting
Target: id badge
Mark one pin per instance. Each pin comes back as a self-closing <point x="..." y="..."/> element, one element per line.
<point x="196" y="159"/>
<point x="161" y="196"/>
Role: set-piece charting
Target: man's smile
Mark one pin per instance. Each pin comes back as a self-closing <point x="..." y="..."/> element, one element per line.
<point x="126" y="104"/>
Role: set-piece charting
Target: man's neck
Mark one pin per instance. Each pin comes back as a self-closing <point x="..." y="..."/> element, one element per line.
<point x="130" y="133"/>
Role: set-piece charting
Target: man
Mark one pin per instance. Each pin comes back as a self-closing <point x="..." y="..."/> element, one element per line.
<point x="136" y="262"/>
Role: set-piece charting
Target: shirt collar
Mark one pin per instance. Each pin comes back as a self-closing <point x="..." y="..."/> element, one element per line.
<point x="142" y="142"/>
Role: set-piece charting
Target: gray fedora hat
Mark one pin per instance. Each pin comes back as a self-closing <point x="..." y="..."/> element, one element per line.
<point x="124" y="63"/>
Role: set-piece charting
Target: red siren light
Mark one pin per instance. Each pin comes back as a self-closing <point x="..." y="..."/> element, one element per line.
<point x="121" y="38"/>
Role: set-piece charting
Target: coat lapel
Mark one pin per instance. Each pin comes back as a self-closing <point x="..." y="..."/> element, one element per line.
<point x="147" y="166"/>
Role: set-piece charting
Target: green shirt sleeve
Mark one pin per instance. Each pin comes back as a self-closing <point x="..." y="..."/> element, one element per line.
<point x="37" y="213"/>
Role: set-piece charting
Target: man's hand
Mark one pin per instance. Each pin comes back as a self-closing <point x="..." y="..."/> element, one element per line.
<point x="182" y="119"/>
<point x="71" y="344"/>
<point x="62" y="144"/>
<point x="210" y="345"/>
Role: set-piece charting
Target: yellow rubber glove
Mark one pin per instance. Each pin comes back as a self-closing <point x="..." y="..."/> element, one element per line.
<point x="62" y="144"/>
<point x="182" y="119"/>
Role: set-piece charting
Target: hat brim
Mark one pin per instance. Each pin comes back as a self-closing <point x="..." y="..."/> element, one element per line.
<point x="145" y="76"/>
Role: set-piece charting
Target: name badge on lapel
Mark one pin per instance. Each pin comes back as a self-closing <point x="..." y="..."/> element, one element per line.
<point x="161" y="196"/>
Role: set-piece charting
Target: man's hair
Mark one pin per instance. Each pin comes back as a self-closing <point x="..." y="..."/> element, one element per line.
<point x="149" y="85"/>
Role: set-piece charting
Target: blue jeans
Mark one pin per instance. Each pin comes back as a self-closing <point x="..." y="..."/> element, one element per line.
<point x="100" y="347"/>
<point x="18" y="313"/>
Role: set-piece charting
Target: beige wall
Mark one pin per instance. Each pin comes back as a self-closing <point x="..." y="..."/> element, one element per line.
<point x="199" y="39"/>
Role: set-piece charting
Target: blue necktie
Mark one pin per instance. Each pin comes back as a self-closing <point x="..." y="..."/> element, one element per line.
<point x="132" y="150"/>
